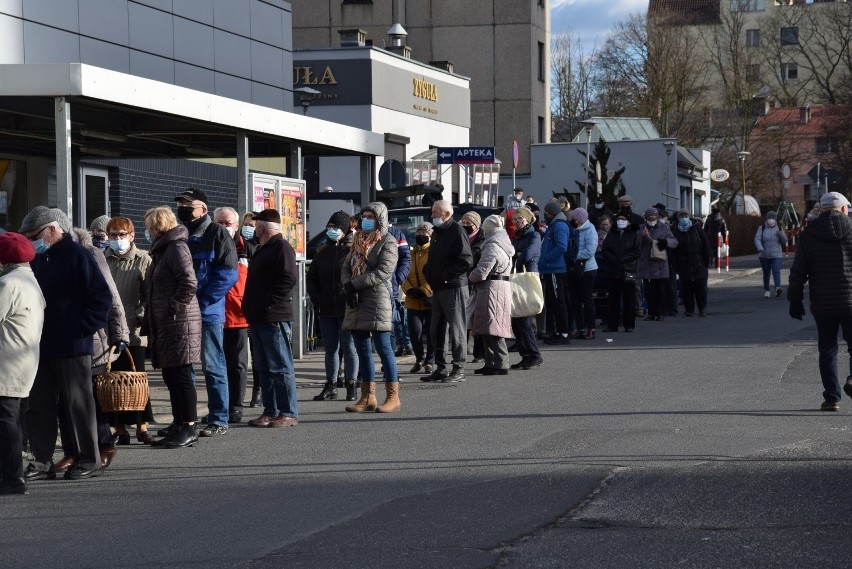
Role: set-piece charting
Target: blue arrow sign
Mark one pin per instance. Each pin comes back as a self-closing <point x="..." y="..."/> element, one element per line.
<point x="466" y="155"/>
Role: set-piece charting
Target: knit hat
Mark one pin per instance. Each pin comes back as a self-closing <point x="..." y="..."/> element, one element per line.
<point x="525" y="213"/>
<point x="99" y="223"/>
<point x="339" y="219"/>
<point x="491" y="224"/>
<point x="652" y="211"/>
<point x="40" y="216"/>
<point x="771" y="215"/>
<point x="552" y="208"/>
<point x="15" y="248"/>
<point x="580" y="215"/>
<point x="425" y="228"/>
<point x="625" y="198"/>
<point x="832" y="200"/>
<point x="473" y="217"/>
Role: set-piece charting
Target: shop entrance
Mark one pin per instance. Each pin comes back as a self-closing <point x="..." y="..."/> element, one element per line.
<point x="93" y="198"/>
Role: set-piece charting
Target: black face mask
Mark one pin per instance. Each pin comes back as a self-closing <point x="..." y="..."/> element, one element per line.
<point x="519" y="231"/>
<point x="468" y="229"/>
<point x="184" y="214"/>
<point x="421" y="239"/>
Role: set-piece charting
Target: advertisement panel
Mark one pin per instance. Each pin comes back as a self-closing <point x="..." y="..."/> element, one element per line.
<point x="287" y="195"/>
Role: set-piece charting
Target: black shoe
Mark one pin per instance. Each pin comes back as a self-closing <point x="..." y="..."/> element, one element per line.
<point x="408" y="351"/>
<point x="165" y="432"/>
<point x="520" y="365"/>
<point x="398" y="352"/>
<point x="211" y="430"/>
<point x="329" y="391"/>
<point x="455" y="376"/>
<point x="688" y="314"/>
<point x="351" y="391"/>
<point x="235" y="417"/>
<point x="628" y="329"/>
<point x="847" y="389"/>
<point x="702" y="313"/>
<point x="557" y="340"/>
<point x="9" y="486"/>
<point x="495" y="371"/>
<point x="33" y="473"/>
<point x="483" y="371"/>
<point x="255" y="398"/>
<point x="434" y="376"/>
<point x="80" y="473"/>
<point x="185" y="436"/>
<point x="121" y="438"/>
<point x="533" y="363"/>
<point x="416" y="368"/>
<point x="610" y="330"/>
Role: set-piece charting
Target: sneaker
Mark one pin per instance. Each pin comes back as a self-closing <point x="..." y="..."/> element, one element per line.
<point x="778" y="292"/>
<point x="830" y="406"/>
<point x="262" y="421"/>
<point x="766" y="294"/>
<point x="429" y="368"/>
<point x="283" y="422"/>
<point x="213" y="430"/>
<point x="37" y="470"/>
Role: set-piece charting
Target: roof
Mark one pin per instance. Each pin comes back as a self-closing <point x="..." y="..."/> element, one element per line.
<point x="824" y="119"/>
<point x="613" y="129"/>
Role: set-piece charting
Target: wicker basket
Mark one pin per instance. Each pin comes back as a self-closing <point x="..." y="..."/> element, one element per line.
<point x="122" y="390"/>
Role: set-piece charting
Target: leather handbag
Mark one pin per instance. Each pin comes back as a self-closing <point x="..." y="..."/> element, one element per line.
<point x="656" y="254"/>
<point x="527" y="294"/>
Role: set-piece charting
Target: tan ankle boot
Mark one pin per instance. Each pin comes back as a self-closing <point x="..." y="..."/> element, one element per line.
<point x="368" y="402"/>
<point x="391" y="404"/>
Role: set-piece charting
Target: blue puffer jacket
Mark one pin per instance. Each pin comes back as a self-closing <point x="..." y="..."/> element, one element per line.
<point x="587" y="244"/>
<point x="554" y="246"/>
<point x="403" y="263"/>
<point x="214" y="258"/>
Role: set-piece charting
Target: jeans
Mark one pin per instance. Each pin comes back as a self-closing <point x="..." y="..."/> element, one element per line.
<point x="364" y="347"/>
<point x="524" y="330"/>
<point x="827" y="327"/>
<point x="215" y="372"/>
<point x="273" y="364"/>
<point x="400" y="328"/>
<point x="335" y="339"/>
<point x="235" y="343"/>
<point x="583" y="299"/>
<point x="773" y="264"/>
<point x="419" y="322"/>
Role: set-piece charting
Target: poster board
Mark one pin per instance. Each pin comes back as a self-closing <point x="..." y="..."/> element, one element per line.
<point x="287" y="195"/>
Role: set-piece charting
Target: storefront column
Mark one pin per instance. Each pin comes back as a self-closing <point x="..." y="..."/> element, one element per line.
<point x="367" y="168"/>
<point x="62" y="124"/>
<point x="294" y="164"/>
<point x="244" y="192"/>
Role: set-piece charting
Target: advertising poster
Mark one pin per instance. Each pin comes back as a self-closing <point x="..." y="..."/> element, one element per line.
<point x="293" y="215"/>
<point x="263" y="192"/>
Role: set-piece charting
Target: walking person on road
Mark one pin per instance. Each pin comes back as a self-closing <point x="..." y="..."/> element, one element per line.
<point x="770" y="242"/>
<point x="824" y="261"/>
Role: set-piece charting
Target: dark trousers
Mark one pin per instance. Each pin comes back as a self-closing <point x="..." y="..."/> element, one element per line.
<point x="582" y="294"/>
<point x="622" y="302"/>
<point x="655" y="291"/>
<point x="524" y="330"/>
<point x="66" y="431"/>
<point x="121" y="418"/>
<point x="556" y="301"/>
<point x="70" y="379"/>
<point x="182" y="393"/>
<point x="827" y="328"/>
<point x="419" y="322"/>
<point x="693" y="293"/>
<point x="11" y="438"/>
<point x="235" y="344"/>
<point x="671" y="293"/>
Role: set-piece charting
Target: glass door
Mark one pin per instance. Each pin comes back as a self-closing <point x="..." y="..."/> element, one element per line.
<point x="93" y="200"/>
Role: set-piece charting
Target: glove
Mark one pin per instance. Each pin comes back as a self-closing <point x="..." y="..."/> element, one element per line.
<point x="415" y="293"/>
<point x="348" y="288"/>
<point x="352" y="300"/>
<point x="662" y="244"/>
<point x="120" y="347"/>
<point x="797" y="310"/>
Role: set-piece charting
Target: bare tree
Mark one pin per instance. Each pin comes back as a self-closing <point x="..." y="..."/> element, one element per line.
<point x="571" y="89"/>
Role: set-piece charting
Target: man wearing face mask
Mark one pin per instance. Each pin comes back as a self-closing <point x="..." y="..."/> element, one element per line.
<point x="214" y="258"/>
<point x="446" y="271"/>
<point x="599" y="210"/>
<point x="515" y="200"/>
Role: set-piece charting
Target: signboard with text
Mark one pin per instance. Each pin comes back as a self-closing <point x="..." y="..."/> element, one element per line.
<point x="465" y="155"/>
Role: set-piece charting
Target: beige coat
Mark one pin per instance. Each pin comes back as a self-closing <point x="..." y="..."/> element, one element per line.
<point x="129" y="272"/>
<point x="492" y="305"/>
<point x="21" y="320"/>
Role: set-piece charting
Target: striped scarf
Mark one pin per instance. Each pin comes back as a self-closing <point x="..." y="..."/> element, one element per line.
<point x="361" y="247"/>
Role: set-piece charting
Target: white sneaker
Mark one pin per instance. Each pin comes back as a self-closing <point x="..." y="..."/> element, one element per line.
<point x="778" y="292"/>
<point x="766" y="294"/>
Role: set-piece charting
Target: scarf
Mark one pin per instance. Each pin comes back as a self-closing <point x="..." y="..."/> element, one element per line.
<point x="361" y="247"/>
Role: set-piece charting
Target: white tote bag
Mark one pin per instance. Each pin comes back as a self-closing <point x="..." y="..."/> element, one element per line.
<point x="527" y="294"/>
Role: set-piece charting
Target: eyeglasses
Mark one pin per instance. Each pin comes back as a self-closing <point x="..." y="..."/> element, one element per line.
<point x="118" y="235"/>
<point x="227" y="223"/>
<point x="40" y="231"/>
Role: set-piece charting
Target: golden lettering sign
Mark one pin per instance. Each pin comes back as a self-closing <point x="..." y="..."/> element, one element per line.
<point x="306" y="76"/>
<point x="425" y="90"/>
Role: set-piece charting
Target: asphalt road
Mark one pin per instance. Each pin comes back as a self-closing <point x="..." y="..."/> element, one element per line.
<point x="692" y="442"/>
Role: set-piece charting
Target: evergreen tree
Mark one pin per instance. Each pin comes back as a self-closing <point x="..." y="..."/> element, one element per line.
<point x="612" y="186"/>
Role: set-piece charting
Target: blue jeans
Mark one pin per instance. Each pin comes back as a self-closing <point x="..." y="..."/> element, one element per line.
<point x="273" y="364"/>
<point x="400" y="326"/>
<point x="335" y="338"/>
<point x="364" y="347"/>
<point x="827" y="327"/>
<point x="215" y="372"/>
<point x="775" y="265"/>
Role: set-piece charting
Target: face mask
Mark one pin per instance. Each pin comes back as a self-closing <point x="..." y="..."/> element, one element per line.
<point x="621" y="224"/>
<point x="368" y="225"/>
<point x="437" y="221"/>
<point x="684" y="223"/>
<point x="606" y="227"/>
<point x="99" y="242"/>
<point x="519" y="197"/>
<point x="40" y="246"/>
<point x="247" y="231"/>
<point x="334" y="234"/>
<point x="651" y="223"/>
<point x="770" y="223"/>
<point x="468" y="229"/>
<point x="231" y="231"/>
<point x="598" y="206"/>
<point x="184" y="213"/>
<point x="421" y="239"/>
<point x="664" y="220"/>
<point x="119" y="245"/>
<point x="148" y="236"/>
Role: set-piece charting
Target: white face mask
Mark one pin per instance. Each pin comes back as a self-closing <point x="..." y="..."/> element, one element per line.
<point x="651" y="223"/>
<point x="231" y="231"/>
<point x="770" y="223"/>
<point x="120" y="246"/>
<point x="621" y="224"/>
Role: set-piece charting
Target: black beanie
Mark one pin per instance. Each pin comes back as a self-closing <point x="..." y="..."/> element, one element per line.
<point x="340" y="219"/>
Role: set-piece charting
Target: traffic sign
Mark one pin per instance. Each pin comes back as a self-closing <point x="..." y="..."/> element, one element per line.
<point x="785" y="171"/>
<point x="515" y="154"/>
<point x="466" y="155"/>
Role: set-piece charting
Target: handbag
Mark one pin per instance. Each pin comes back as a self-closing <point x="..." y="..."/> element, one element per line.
<point x="121" y="390"/>
<point x="527" y="294"/>
<point x="656" y="254"/>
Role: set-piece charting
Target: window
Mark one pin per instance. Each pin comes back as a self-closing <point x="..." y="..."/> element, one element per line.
<point x="826" y="145"/>
<point x="789" y="72"/>
<point x="541" y="3"/>
<point x="789" y="36"/>
<point x="753" y="38"/>
<point x="541" y="133"/>
<point x="540" y="61"/>
<point x="748" y="5"/>
<point x="752" y="72"/>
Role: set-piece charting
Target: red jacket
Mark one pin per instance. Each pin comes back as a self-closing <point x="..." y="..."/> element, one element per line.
<point x="234" y="317"/>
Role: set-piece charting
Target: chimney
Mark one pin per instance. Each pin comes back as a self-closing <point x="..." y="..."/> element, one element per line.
<point x="397" y="36"/>
<point x="352" y="38"/>
<point x="805" y="114"/>
<point x="445" y="65"/>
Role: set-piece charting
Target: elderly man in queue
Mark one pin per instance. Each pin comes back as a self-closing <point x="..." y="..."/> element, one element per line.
<point x="446" y="271"/>
<point x="78" y="305"/>
<point x="268" y="307"/>
<point x="214" y="258"/>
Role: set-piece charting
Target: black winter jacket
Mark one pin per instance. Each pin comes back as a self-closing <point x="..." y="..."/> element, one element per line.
<point x="450" y="258"/>
<point x="269" y="286"/>
<point x="692" y="254"/>
<point x="323" y="279"/>
<point x="824" y="259"/>
<point x="620" y="252"/>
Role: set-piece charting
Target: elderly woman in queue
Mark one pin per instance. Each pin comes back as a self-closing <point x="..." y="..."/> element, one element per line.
<point x="366" y="276"/>
<point x="329" y="299"/>
<point x="247" y="233"/>
<point x="581" y="281"/>
<point x="527" y="244"/>
<point x="492" y="314"/>
<point x="654" y="270"/>
<point x="692" y="257"/>
<point x="418" y="301"/>
<point x="174" y="321"/>
<point x="621" y="253"/>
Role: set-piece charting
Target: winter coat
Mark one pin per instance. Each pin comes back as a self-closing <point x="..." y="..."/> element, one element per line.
<point x="586" y="237"/>
<point x="620" y="252"/>
<point x="450" y="257"/>
<point x="21" y="320"/>
<point x="417" y="279"/>
<point x="824" y="260"/>
<point x="554" y="246"/>
<point x="403" y="262"/>
<point x="653" y="269"/>
<point x="271" y="279"/>
<point x="234" y="316"/>
<point x="692" y="254"/>
<point x="770" y="242"/>
<point x="116" y="330"/>
<point x="171" y="310"/>
<point x="374" y="312"/>
<point x="595" y="215"/>
<point x="214" y="258"/>
<point x="129" y="272"/>
<point x="527" y="250"/>
<point x="476" y="243"/>
<point x="492" y="312"/>
<point x="715" y="226"/>
<point x="323" y="279"/>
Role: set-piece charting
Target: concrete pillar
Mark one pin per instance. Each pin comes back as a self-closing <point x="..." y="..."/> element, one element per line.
<point x="294" y="164"/>
<point x="244" y="192"/>
<point x="367" y="177"/>
<point x="62" y="125"/>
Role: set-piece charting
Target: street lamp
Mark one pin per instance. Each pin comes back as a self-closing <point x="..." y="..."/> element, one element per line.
<point x="306" y="95"/>
<point x="588" y="124"/>
<point x="742" y="155"/>
<point x="669" y="145"/>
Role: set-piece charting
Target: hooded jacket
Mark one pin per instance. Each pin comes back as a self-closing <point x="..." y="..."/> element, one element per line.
<point x="492" y="305"/>
<point x="824" y="260"/>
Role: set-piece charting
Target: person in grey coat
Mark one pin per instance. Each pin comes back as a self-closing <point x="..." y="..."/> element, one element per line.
<point x="654" y="272"/>
<point x="770" y="242"/>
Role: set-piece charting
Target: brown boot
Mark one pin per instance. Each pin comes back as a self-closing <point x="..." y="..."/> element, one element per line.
<point x="368" y="402"/>
<point x="391" y="404"/>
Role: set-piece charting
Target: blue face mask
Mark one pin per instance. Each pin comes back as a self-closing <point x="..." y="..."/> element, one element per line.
<point x="40" y="246"/>
<point x="334" y="234"/>
<point x="368" y="225"/>
<point x="437" y="221"/>
<point x="684" y="223"/>
<point x="247" y="231"/>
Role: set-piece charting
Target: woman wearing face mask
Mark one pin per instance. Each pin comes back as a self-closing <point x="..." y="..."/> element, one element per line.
<point x="329" y="299"/>
<point x="770" y="242"/>
<point x="470" y="222"/>
<point x="621" y="253"/>
<point x="129" y="267"/>
<point x="692" y="257"/>
<point x="581" y="284"/>
<point x="418" y="301"/>
<point x="98" y="231"/>
<point x="653" y="271"/>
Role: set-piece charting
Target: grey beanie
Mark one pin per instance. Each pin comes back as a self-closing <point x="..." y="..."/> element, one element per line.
<point x="552" y="208"/>
<point x="771" y="215"/>
<point x="99" y="223"/>
<point x="41" y="215"/>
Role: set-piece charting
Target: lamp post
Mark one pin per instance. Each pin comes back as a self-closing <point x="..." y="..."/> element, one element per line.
<point x="742" y="155"/>
<point x="306" y="95"/>
<point x="588" y="124"/>
<point x="669" y="145"/>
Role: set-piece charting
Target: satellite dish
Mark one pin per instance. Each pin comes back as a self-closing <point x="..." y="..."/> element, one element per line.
<point x="719" y="175"/>
<point x="392" y="175"/>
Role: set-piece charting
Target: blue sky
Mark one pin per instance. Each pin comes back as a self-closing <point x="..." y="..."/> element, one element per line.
<point x="591" y="19"/>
